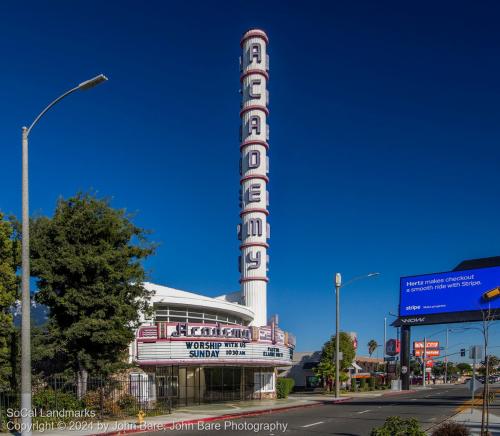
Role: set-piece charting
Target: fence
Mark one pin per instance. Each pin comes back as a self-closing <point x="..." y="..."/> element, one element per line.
<point x="57" y="398"/>
<point x="154" y="392"/>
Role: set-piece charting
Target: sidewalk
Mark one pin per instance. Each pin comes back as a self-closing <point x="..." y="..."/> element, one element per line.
<point x="186" y="418"/>
<point x="473" y="421"/>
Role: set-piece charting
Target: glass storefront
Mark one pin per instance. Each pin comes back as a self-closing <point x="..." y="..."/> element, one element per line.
<point x="210" y="384"/>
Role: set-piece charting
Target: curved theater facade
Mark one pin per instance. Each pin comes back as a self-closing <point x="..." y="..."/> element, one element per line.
<point x="204" y="349"/>
<point x="197" y="348"/>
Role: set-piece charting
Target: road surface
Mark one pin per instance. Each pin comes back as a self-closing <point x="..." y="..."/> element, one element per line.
<point x="356" y="417"/>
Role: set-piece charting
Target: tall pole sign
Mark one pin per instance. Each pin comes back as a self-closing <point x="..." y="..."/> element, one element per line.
<point x="253" y="231"/>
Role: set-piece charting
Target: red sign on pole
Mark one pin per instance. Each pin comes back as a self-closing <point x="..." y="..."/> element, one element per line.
<point x="428" y="353"/>
<point x="392" y="347"/>
<point x="430" y="344"/>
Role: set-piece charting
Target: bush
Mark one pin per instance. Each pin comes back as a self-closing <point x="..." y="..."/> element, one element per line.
<point x="128" y="403"/>
<point x="451" y="429"/>
<point x="284" y="386"/>
<point x="371" y="383"/>
<point x="49" y="399"/>
<point x="99" y="402"/>
<point x="362" y="384"/>
<point x="396" y="426"/>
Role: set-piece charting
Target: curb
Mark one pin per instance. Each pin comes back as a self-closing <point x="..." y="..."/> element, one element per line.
<point x="172" y="425"/>
<point x="394" y="393"/>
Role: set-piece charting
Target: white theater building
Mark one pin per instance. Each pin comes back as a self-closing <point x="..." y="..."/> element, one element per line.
<point x="194" y="348"/>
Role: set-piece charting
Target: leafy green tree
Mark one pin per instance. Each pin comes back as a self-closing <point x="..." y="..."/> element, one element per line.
<point x="372" y="346"/>
<point x="494" y="363"/>
<point x="464" y="368"/>
<point x="416" y="367"/>
<point x="326" y="366"/>
<point x="438" y="369"/>
<point x="88" y="262"/>
<point x="9" y="261"/>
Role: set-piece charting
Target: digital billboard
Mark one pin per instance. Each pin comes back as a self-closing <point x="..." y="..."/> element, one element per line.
<point x="452" y="296"/>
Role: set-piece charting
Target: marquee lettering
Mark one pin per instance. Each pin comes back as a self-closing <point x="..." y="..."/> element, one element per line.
<point x="184" y="329"/>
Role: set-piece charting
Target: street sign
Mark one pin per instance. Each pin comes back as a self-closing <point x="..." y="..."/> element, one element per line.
<point x="404" y="369"/>
<point x="476" y="352"/>
<point x="477" y="385"/>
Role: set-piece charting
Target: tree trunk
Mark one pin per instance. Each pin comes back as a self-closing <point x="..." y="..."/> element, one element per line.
<point x="81" y="381"/>
<point x="487" y="386"/>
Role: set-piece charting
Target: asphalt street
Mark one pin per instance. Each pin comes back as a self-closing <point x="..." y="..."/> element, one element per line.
<point x="353" y="418"/>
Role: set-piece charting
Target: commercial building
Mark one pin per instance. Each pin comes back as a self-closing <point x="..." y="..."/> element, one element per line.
<point x="195" y="348"/>
<point x="304" y="364"/>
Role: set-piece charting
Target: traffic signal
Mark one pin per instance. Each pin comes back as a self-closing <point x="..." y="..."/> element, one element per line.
<point x="462" y="352"/>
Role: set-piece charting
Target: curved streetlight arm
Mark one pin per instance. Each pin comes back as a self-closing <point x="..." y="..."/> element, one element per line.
<point x="355" y="279"/>
<point x="82" y="86"/>
<point x="57" y="100"/>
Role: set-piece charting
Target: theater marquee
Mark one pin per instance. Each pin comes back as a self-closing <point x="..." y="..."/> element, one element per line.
<point x="191" y="343"/>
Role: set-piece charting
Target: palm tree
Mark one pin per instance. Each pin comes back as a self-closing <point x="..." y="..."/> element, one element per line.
<point x="372" y="346"/>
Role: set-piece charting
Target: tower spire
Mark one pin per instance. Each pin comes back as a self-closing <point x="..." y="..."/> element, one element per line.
<point x="253" y="231"/>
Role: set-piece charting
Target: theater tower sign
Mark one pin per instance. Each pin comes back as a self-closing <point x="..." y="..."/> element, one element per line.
<point x="198" y="349"/>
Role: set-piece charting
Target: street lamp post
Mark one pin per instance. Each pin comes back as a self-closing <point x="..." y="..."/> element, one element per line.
<point x="25" y="263"/>
<point x="385" y="337"/>
<point x="338" y="286"/>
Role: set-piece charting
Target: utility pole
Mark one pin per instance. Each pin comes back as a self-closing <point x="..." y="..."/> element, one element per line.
<point x="385" y="341"/>
<point x="446" y="358"/>
<point x="474" y="357"/>
<point x="424" y="362"/>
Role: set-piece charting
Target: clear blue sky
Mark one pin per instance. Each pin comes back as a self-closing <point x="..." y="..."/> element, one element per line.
<point x="384" y="127"/>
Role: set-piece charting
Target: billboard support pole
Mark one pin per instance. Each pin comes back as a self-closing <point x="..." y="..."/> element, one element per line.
<point x="405" y="357"/>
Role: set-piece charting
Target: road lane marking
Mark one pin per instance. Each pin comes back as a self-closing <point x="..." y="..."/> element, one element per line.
<point x="314" y="423"/>
<point x="364" y="411"/>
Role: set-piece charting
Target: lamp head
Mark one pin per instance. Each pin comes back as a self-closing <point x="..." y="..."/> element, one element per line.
<point x="92" y="82"/>
<point x="338" y="280"/>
